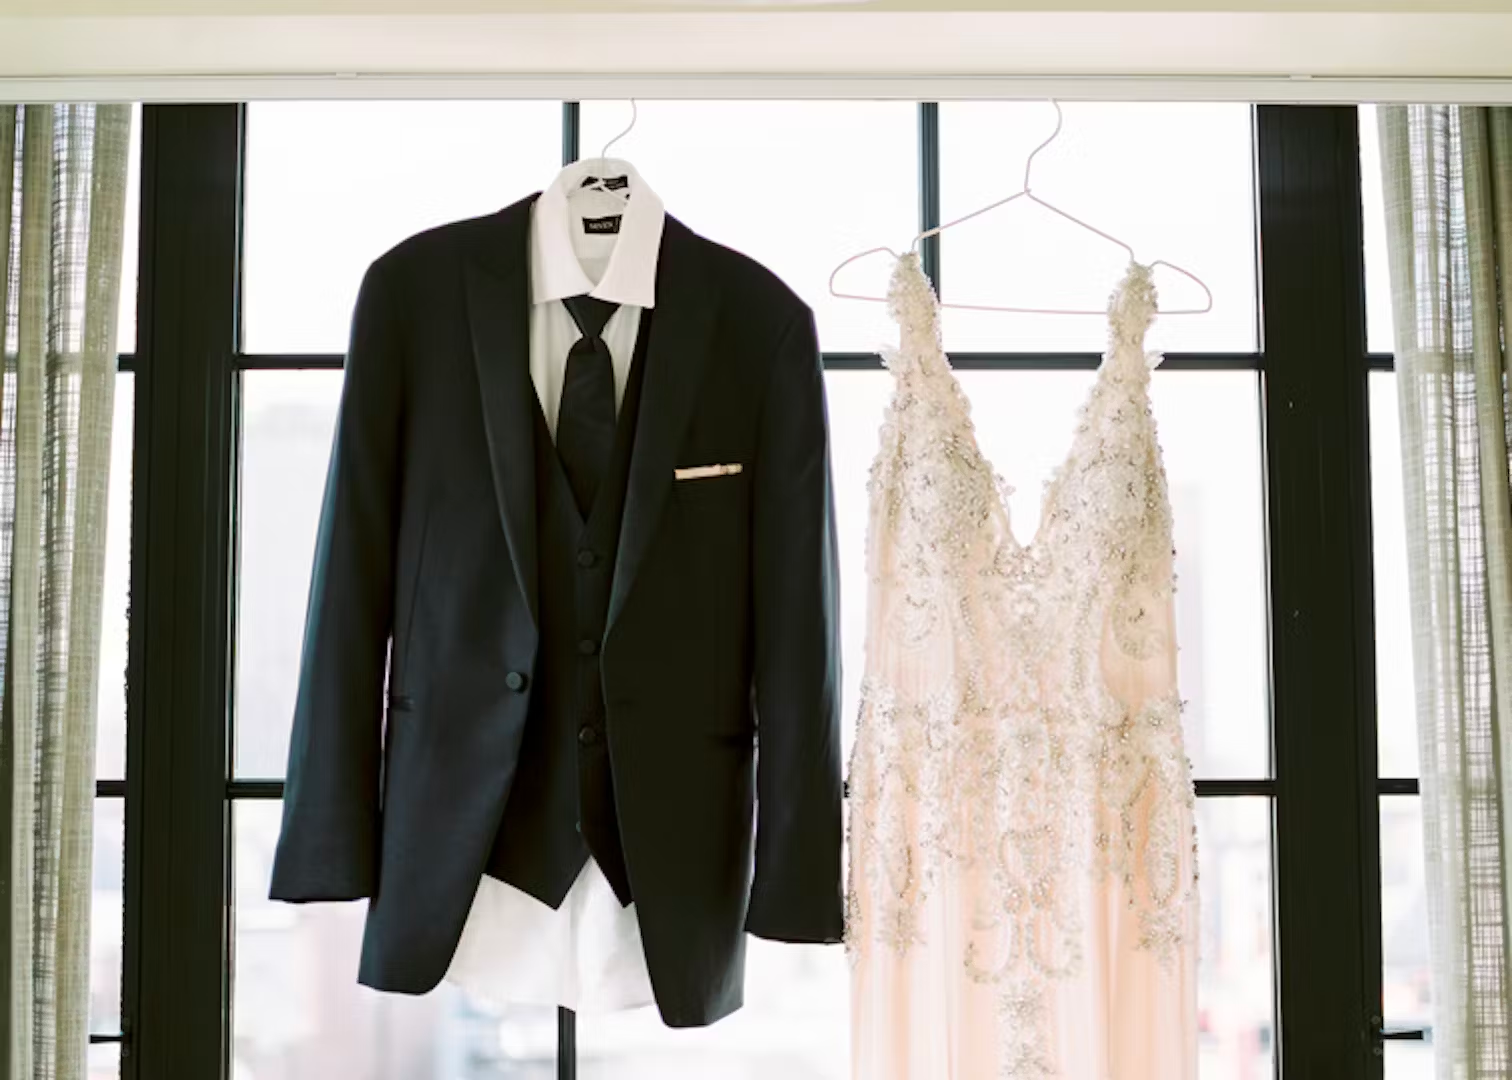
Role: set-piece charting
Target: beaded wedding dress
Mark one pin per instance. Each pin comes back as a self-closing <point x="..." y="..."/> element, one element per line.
<point x="1022" y="895"/>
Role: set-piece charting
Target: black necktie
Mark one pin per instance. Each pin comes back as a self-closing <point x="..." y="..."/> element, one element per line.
<point x="585" y="420"/>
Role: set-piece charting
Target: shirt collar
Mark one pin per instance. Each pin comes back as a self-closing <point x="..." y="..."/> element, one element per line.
<point x="630" y="276"/>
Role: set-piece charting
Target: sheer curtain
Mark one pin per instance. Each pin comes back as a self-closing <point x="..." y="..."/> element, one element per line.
<point x="1448" y="185"/>
<point x="62" y="196"/>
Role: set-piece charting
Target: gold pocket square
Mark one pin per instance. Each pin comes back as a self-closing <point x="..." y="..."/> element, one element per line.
<point x="703" y="472"/>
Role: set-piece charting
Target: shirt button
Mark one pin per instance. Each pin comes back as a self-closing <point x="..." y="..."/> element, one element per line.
<point x="587" y="646"/>
<point x="586" y="558"/>
<point x="515" y="680"/>
<point x="588" y="736"/>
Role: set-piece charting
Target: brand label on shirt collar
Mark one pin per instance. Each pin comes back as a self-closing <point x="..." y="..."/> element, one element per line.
<point x="613" y="183"/>
<point x="602" y="226"/>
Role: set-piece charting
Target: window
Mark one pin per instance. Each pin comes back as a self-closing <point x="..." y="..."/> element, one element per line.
<point x="110" y="765"/>
<point x="328" y="191"/>
<point x="131" y="239"/>
<point x="1175" y="181"/>
<point x="105" y="934"/>
<point x="1379" y="336"/>
<point x="1407" y="1004"/>
<point x="799" y="186"/>
<point x="1406" y="992"/>
<point x="736" y="183"/>
<point x="107" y="872"/>
<point x="306" y="249"/>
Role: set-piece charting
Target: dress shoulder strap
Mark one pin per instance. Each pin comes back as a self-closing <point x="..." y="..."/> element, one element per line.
<point x="1131" y="311"/>
<point x="913" y="306"/>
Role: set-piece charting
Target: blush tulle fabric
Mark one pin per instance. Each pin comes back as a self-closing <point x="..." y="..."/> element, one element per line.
<point x="1022" y="886"/>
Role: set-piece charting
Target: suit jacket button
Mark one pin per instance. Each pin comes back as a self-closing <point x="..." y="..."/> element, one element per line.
<point x="515" y="681"/>
<point x="587" y="646"/>
<point x="586" y="559"/>
<point x="587" y="736"/>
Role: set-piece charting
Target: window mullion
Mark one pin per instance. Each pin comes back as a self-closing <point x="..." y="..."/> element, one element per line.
<point x="175" y="960"/>
<point x="929" y="187"/>
<point x="1322" y="657"/>
<point x="572" y="149"/>
<point x="572" y="131"/>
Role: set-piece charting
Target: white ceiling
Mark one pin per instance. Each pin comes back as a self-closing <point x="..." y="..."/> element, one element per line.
<point x="223" y="8"/>
<point x="1282" y="50"/>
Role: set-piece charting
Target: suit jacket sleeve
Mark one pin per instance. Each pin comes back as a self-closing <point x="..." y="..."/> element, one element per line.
<point x="796" y="893"/>
<point x="328" y="847"/>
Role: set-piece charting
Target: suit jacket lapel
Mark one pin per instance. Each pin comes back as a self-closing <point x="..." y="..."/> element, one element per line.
<point x="675" y="358"/>
<point x="498" y="311"/>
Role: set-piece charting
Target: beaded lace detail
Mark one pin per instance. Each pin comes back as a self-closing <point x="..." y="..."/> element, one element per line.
<point x="1019" y="738"/>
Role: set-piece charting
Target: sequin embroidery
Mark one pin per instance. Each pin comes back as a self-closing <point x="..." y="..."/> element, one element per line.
<point x="1019" y="737"/>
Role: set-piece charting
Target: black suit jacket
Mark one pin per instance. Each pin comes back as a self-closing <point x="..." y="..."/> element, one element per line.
<point x="720" y="661"/>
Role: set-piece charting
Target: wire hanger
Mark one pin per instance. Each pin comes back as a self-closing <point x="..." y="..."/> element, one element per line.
<point x="1026" y="192"/>
<point x="598" y="183"/>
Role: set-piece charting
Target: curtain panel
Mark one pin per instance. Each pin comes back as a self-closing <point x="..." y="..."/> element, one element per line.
<point x="1448" y="186"/>
<point x="62" y="207"/>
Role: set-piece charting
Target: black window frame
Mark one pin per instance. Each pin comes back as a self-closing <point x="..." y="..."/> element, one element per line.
<point x="1313" y="368"/>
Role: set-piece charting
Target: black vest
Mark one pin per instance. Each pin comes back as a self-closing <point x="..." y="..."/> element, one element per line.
<point x="561" y="806"/>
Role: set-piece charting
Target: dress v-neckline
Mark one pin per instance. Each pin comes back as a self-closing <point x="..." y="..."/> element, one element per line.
<point x="1137" y="278"/>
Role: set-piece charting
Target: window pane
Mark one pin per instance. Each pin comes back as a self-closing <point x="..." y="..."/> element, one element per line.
<point x="856" y="401"/>
<point x="1209" y="430"/>
<point x="331" y="185"/>
<point x="298" y="1012"/>
<point x="1397" y="752"/>
<point x="105" y="919"/>
<point x="797" y="185"/>
<point x="1406" y="984"/>
<point x="795" y="1024"/>
<point x="105" y="1061"/>
<point x="1235" y="995"/>
<point x="1409" y="1061"/>
<point x="1175" y="181"/>
<point x="110" y="709"/>
<point x="1380" y="335"/>
<point x="1210" y="434"/>
<point x="288" y="418"/>
<point x="126" y="316"/>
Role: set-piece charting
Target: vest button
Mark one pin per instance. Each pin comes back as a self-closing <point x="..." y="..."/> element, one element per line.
<point x="515" y="681"/>
<point x="586" y="559"/>
<point x="587" y="646"/>
<point x="588" y="736"/>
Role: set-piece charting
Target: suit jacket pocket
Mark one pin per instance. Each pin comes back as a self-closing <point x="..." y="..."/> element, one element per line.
<point x="728" y="486"/>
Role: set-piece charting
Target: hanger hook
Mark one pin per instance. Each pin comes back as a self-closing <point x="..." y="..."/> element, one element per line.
<point x="1060" y="122"/>
<point x="634" y="116"/>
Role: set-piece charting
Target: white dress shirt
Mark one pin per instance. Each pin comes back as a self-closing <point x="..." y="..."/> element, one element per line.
<point x="586" y="954"/>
